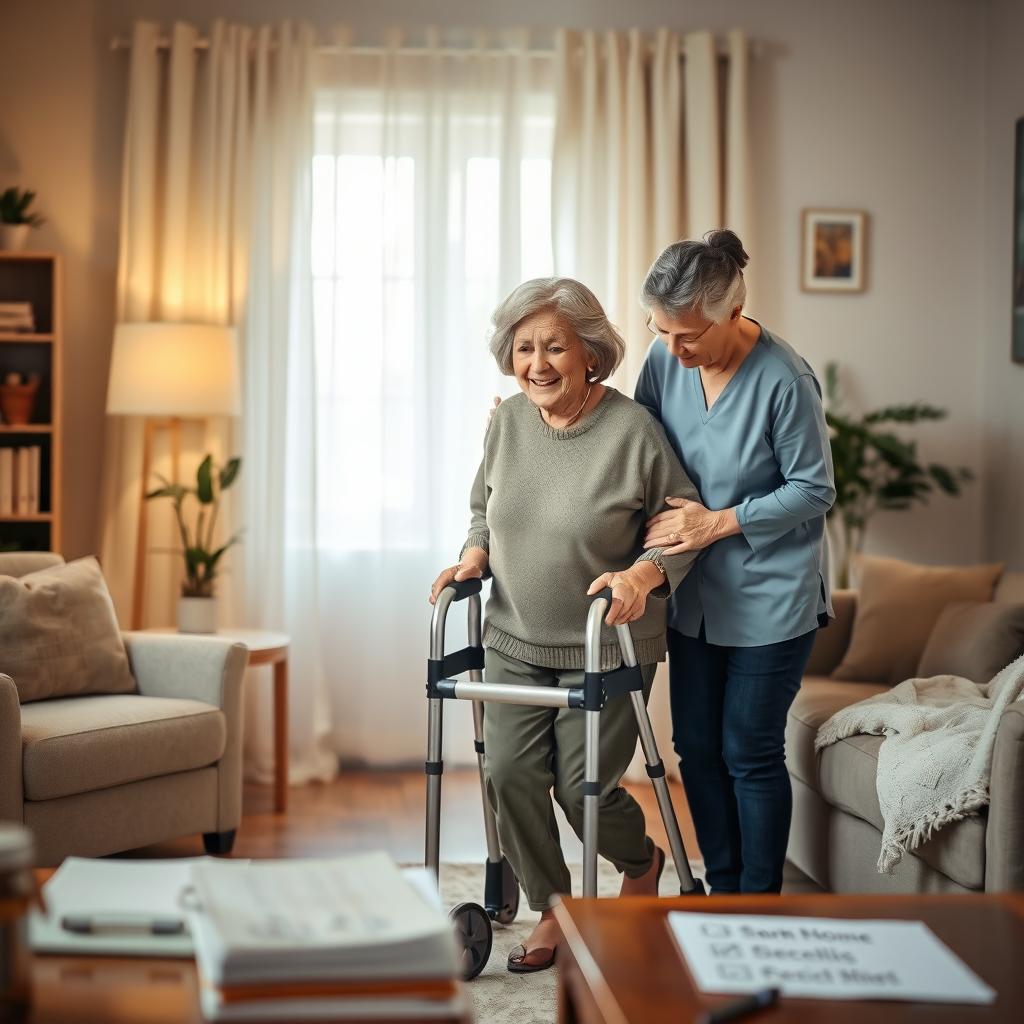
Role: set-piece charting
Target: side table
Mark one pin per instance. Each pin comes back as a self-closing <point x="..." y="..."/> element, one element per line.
<point x="267" y="648"/>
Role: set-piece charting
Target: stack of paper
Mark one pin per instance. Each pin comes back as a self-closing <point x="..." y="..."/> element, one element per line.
<point x="123" y="899"/>
<point x="347" y="938"/>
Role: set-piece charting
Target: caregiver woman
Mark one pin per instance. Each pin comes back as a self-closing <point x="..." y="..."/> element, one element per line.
<point x="743" y="411"/>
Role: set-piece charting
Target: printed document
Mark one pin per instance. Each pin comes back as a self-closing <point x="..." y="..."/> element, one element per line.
<point x="824" y="958"/>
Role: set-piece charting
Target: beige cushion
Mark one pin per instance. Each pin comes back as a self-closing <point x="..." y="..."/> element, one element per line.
<point x="974" y="640"/>
<point x="21" y="563"/>
<point x="1011" y="588"/>
<point x="845" y="774"/>
<point x="59" y="634"/>
<point x="897" y="607"/>
<point x="79" y="744"/>
<point x="816" y="701"/>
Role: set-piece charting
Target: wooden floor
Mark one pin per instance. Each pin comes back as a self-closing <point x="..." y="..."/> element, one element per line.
<point x="385" y="811"/>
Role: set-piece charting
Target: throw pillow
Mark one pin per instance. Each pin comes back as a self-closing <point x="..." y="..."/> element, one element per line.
<point x="897" y="606"/>
<point x="974" y="640"/>
<point x="59" y="635"/>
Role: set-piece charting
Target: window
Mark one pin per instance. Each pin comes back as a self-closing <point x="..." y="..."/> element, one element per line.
<point x="417" y="233"/>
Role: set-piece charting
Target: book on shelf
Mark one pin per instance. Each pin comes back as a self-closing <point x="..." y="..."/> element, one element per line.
<point x="17" y="316"/>
<point x="34" y="453"/>
<point x="6" y="481"/>
<point x="20" y="480"/>
<point x="349" y="938"/>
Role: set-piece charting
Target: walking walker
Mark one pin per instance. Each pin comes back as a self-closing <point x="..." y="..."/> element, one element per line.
<point x="501" y="889"/>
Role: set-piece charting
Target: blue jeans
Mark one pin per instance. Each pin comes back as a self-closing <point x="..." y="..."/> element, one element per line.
<point x="729" y="708"/>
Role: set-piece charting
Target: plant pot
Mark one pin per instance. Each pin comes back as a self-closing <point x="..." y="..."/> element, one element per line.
<point x="17" y="402"/>
<point x="197" y="615"/>
<point x="14" y="237"/>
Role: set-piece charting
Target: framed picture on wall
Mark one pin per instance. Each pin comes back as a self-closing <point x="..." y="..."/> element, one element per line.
<point x="1017" y="328"/>
<point x="834" y="251"/>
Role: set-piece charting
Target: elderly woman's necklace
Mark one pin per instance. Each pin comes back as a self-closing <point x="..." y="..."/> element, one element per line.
<point x="579" y="411"/>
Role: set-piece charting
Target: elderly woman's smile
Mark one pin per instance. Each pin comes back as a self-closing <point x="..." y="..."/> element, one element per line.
<point x="550" y="363"/>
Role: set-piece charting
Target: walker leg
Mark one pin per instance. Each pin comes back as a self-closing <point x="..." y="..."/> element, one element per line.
<point x="434" y="767"/>
<point x="477" y="676"/>
<point x="656" y="771"/>
<point x="591" y="798"/>
<point x="490" y="823"/>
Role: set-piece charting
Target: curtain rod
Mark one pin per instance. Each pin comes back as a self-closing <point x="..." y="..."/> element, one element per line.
<point x="414" y="51"/>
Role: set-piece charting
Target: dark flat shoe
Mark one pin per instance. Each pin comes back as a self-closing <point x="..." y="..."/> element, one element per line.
<point x="659" y="852"/>
<point x="522" y="962"/>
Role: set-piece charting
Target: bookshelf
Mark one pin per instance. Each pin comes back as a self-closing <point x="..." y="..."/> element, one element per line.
<point x="35" y="277"/>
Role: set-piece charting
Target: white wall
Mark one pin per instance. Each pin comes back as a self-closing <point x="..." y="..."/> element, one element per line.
<point x="876" y="105"/>
<point x="1003" y="401"/>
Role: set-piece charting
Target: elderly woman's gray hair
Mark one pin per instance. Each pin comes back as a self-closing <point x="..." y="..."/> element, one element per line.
<point x="703" y="276"/>
<point x="573" y="301"/>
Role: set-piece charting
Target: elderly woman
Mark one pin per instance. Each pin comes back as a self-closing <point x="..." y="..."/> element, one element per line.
<point x="572" y="471"/>
<point x="743" y="412"/>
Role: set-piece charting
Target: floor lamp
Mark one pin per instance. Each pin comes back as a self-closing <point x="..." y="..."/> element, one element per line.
<point x="169" y="373"/>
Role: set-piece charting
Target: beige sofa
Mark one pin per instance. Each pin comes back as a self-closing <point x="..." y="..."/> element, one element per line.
<point x="836" y="831"/>
<point x="92" y="775"/>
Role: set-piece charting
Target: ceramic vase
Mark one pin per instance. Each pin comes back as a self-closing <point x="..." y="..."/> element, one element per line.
<point x="197" y="615"/>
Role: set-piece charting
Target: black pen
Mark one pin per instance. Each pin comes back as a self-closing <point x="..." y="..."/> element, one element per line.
<point x="113" y="924"/>
<point x="740" y="1007"/>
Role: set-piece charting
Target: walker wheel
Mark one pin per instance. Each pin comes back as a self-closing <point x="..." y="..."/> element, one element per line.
<point x="509" y="894"/>
<point x="473" y="932"/>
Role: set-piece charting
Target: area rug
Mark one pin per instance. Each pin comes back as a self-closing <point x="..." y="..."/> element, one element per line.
<point x="500" y="997"/>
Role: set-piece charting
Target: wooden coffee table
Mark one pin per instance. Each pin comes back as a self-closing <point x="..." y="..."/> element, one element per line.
<point x="119" y="990"/>
<point x="618" y="963"/>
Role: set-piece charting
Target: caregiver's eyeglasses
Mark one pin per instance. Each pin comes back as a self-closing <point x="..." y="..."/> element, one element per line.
<point x="682" y="338"/>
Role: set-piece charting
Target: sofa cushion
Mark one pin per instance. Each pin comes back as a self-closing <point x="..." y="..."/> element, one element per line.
<point x="817" y="700"/>
<point x="59" y="635"/>
<point x="974" y="640"/>
<point x="845" y="775"/>
<point x="78" y="744"/>
<point x="897" y="607"/>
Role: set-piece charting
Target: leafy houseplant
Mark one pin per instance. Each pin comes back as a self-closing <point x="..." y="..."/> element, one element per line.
<point x="876" y="469"/>
<point x="202" y="559"/>
<point x="15" y="218"/>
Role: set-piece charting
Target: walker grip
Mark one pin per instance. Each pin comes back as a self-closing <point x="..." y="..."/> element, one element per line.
<point x="465" y="588"/>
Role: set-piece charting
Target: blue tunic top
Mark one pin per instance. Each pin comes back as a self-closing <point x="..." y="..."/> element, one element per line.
<point x="763" y="448"/>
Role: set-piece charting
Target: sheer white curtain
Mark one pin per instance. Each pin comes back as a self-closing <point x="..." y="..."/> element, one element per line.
<point x="215" y="227"/>
<point x="431" y="200"/>
<point x="650" y="148"/>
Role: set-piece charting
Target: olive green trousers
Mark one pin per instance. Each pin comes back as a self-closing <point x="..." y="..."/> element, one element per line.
<point x="532" y="750"/>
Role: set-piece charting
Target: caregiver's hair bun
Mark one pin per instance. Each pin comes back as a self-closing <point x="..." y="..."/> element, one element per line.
<point x="729" y="243"/>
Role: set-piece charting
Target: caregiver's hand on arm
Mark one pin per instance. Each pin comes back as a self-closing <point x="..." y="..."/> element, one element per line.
<point x="472" y="567"/>
<point x="629" y="591"/>
<point x="689" y="526"/>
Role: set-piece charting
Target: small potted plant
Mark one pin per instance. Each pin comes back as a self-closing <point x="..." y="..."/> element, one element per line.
<point x="18" y="398"/>
<point x="15" y="219"/>
<point x="876" y="470"/>
<point x="197" y="606"/>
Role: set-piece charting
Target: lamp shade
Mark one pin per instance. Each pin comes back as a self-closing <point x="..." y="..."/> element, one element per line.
<point x="168" y="369"/>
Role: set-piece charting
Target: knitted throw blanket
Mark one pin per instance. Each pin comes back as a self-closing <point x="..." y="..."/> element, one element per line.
<point x="935" y="762"/>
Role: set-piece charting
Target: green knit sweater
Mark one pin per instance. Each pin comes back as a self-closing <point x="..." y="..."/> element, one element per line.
<point x="555" y="509"/>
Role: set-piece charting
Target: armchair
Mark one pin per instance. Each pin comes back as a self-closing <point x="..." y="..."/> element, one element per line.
<point x="98" y="774"/>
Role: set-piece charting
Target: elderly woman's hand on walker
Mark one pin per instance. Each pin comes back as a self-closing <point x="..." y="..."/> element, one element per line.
<point x="472" y="567"/>
<point x="629" y="588"/>
<point x="689" y="526"/>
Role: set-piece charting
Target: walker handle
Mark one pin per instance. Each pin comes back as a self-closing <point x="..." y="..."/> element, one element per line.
<point x="465" y="588"/>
